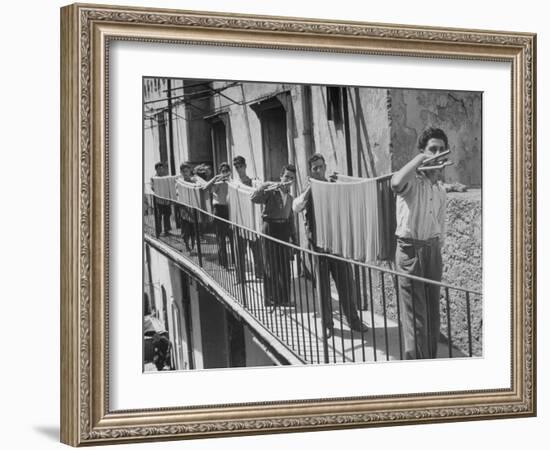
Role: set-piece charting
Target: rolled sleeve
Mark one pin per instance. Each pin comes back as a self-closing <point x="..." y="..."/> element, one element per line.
<point x="259" y="195"/>
<point x="300" y="202"/>
<point x="409" y="188"/>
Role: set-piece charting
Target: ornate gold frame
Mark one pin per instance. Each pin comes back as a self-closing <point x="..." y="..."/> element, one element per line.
<point x="86" y="31"/>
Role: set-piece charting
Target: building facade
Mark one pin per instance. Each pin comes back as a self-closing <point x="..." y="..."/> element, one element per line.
<point x="361" y="131"/>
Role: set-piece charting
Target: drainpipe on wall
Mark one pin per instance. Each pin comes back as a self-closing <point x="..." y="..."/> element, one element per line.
<point x="170" y="129"/>
<point x="249" y="135"/>
<point x="346" y="130"/>
<point x="307" y="112"/>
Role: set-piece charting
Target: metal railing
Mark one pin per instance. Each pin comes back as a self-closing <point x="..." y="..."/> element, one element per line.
<point x="288" y="289"/>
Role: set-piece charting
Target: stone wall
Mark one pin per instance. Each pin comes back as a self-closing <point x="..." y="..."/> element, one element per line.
<point x="462" y="264"/>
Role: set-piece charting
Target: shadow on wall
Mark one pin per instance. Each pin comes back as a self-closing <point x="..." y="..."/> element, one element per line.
<point x="361" y="124"/>
<point x="333" y="149"/>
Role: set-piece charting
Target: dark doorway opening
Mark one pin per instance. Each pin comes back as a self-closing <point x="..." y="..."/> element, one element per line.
<point x="273" y="120"/>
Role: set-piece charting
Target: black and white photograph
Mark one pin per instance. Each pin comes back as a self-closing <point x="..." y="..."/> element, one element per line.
<point x="243" y="225"/>
<point x="296" y="224"/>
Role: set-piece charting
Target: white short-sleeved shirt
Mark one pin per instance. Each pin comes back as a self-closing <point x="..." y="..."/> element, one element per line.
<point x="421" y="209"/>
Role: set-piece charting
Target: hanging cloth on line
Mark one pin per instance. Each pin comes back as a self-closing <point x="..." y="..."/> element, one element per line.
<point x="164" y="187"/>
<point x="351" y="217"/>
<point x="241" y="209"/>
<point x="191" y="194"/>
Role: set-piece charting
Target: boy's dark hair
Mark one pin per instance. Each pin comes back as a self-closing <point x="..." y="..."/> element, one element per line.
<point x="432" y="133"/>
<point x="201" y="168"/>
<point x="290" y="168"/>
<point x="315" y="157"/>
<point x="239" y="160"/>
<point x="185" y="165"/>
<point x="159" y="164"/>
<point x="224" y="165"/>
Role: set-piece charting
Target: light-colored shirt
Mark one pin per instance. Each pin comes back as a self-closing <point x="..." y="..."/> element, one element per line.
<point x="421" y="209"/>
<point x="300" y="203"/>
<point x="219" y="193"/>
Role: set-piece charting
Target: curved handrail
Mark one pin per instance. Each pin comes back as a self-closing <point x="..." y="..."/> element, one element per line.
<point x="321" y="254"/>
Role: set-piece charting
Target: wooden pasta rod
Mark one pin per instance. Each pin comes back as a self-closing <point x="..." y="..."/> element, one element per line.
<point x="435" y="157"/>
<point x="435" y="167"/>
<point x="275" y="186"/>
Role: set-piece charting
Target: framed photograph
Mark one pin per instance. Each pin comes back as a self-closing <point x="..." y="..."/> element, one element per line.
<point x="275" y="224"/>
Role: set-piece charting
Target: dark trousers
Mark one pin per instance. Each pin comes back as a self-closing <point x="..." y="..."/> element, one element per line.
<point x="187" y="226"/>
<point x="162" y="214"/>
<point x="222" y="233"/>
<point x="244" y="239"/>
<point x="342" y="274"/>
<point x="277" y="260"/>
<point x="419" y="302"/>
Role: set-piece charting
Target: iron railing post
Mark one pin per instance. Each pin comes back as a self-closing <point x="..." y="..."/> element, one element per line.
<point x="197" y="235"/>
<point x="319" y="276"/>
<point x="449" y="331"/>
<point x="156" y="221"/>
<point x="239" y="246"/>
<point x="469" y="322"/>
<point x="399" y="324"/>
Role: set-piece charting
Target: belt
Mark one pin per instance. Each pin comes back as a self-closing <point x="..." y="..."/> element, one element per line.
<point x="419" y="242"/>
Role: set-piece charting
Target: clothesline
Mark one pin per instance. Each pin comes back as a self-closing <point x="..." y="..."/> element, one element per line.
<point x="352" y="179"/>
<point x="354" y="218"/>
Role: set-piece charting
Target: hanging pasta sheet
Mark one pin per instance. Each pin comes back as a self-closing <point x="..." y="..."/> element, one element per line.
<point x="352" y="217"/>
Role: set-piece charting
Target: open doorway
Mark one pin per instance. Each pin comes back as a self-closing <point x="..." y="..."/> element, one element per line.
<point x="273" y="121"/>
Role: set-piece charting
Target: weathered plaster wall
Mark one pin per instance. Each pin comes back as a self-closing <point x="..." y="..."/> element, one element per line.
<point x="457" y="113"/>
<point x="369" y="131"/>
